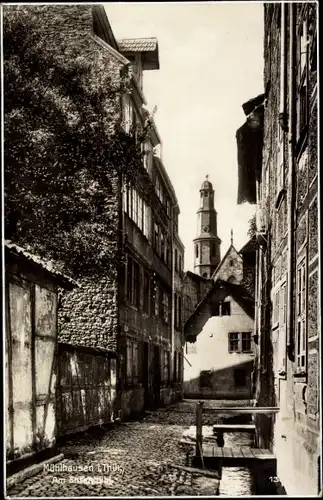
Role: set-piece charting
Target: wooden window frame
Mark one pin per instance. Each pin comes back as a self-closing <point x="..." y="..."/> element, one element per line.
<point x="133" y="283"/>
<point x="237" y="339"/>
<point x="233" y="340"/>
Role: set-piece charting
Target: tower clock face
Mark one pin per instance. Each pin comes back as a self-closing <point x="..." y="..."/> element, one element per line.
<point x="206" y="229"/>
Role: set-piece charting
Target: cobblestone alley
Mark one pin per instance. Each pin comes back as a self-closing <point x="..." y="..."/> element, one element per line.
<point x="130" y="459"/>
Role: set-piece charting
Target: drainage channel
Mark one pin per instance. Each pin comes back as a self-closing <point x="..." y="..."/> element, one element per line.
<point x="236" y="481"/>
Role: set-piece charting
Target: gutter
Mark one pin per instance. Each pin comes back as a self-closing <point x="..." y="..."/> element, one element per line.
<point x="291" y="182"/>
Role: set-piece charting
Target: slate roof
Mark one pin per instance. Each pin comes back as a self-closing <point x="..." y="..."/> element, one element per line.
<point x="137" y="44"/>
<point x="48" y="267"/>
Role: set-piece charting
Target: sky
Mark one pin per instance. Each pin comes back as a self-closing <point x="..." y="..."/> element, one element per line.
<point x="211" y="62"/>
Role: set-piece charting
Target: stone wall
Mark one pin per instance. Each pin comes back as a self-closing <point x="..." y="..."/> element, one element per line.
<point x="231" y="267"/>
<point x="294" y="432"/>
<point x="88" y="315"/>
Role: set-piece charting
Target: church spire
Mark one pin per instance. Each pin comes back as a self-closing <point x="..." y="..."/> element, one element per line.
<point x="231" y="236"/>
<point x="207" y="243"/>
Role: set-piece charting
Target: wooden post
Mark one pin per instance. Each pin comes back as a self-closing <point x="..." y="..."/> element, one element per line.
<point x="199" y="435"/>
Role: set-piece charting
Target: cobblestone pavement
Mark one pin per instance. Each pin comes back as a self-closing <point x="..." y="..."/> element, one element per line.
<point x="130" y="459"/>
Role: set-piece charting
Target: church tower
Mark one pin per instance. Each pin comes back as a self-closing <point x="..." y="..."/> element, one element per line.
<point x="207" y="243"/>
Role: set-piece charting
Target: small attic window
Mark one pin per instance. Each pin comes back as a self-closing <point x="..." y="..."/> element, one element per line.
<point x="231" y="262"/>
<point x="225" y="309"/>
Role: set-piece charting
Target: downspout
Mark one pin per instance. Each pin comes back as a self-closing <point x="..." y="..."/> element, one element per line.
<point x="291" y="184"/>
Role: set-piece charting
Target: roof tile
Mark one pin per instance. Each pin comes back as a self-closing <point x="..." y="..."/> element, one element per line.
<point x="137" y="44"/>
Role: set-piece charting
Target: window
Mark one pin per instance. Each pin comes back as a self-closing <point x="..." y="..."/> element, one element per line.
<point x="159" y="190"/>
<point x="133" y="362"/>
<point x="146" y="211"/>
<point x="196" y="251"/>
<point x="301" y="319"/>
<point x="165" y="307"/>
<point x="206" y="379"/>
<point x="213" y="250"/>
<point x="139" y="213"/>
<point x="206" y="194"/>
<point x="240" y="377"/>
<point x="282" y="330"/>
<point x="302" y="76"/>
<point x="176" y="257"/>
<point x="146" y="293"/>
<point x="246" y="341"/>
<point x="225" y="309"/>
<point x="137" y="209"/>
<point x="240" y="342"/>
<point x="231" y="262"/>
<point x="180" y="264"/>
<point x="234" y="342"/>
<point x="175" y="310"/>
<point x="156" y="237"/>
<point x="133" y="283"/>
<point x="167" y="206"/>
<point x="157" y="294"/>
<point x="134" y="214"/>
<point x="276" y="298"/>
<point x="162" y="246"/>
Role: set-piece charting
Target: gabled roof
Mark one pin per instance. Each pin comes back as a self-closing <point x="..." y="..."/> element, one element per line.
<point x="223" y="260"/>
<point x="148" y="47"/>
<point x="215" y="295"/>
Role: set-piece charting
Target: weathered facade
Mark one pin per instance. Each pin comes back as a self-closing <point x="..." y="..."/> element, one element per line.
<point x="31" y="298"/>
<point x="127" y="321"/>
<point x="220" y="349"/>
<point x="151" y="326"/>
<point x="285" y="186"/>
